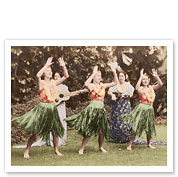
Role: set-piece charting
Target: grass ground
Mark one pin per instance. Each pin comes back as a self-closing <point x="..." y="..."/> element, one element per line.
<point x="117" y="154"/>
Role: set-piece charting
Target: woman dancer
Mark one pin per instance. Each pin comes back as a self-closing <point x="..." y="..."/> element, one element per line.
<point x="62" y="114"/>
<point x="44" y="118"/>
<point x="92" y="120"/>
<point x="142" y="117"/>
<point x="120" y="95"/>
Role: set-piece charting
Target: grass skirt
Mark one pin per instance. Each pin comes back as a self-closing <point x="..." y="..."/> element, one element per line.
<point x="90" y="120"/>
<point x="142" y="119"/>
<point x="41" y="120"/>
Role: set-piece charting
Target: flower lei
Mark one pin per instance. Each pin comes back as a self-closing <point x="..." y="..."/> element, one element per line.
<point x="47" y="91"/>
<point x="100" y="92"/>
<point x="124" y="90"/>
<point x="149" y="98"/>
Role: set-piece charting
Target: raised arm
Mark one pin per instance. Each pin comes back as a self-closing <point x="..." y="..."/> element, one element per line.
<point x="159" y="84"/>
<point x="137" y="87"/>
<point x="66" y="75"/>
<point x="88" y="81"/>
<point x="42" y="70"/>
<point x="106" y="85"/>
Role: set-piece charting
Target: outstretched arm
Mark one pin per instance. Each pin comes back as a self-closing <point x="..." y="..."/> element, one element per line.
<point x="159" y="84"/>
<point x="75" y="93"/>
<point x="88" y="81"/>
<point x="66" y="75"/>
<point x="106" y="85"/>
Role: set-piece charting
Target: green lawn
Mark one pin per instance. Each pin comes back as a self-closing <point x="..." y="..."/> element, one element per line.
<point x="117" y="154"/>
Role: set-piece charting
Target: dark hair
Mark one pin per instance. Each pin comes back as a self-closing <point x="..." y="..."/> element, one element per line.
<point x="55" y="73"/>
<point x="126" y="76"/>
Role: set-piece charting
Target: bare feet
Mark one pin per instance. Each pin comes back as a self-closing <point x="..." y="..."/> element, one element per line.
<point x="102" y="150"/>
<point x="58" y="153"/>
<point x="129" y="148"/>
<point x="26" y="154"/>
<point x="80" y="151"/>
<point x="151" y="147"/>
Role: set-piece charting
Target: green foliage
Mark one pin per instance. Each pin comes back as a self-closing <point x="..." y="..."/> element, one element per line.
<point x="80" y="60"/>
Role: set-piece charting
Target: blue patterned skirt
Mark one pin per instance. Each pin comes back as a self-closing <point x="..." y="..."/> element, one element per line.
<point x="120" y="131"/>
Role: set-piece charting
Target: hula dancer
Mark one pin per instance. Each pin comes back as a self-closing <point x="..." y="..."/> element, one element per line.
<point x="92" y="120"/>
<point x="62" y="114"/>
<point x="44" y="118"/>
<point x="142" y="117"/>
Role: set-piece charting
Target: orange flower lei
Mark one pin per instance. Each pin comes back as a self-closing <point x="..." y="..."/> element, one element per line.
<point x="124" y="90"/>
<point x="47" y="91"/>
<point x="150" y="99"/>
<point x="100" y="92"/>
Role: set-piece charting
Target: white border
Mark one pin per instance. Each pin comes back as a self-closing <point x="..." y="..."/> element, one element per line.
<point x="9" y="43"/>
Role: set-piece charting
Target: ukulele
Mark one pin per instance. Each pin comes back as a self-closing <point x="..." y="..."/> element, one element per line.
<point x="118" y="95"/>
<point x="65" y="95"/>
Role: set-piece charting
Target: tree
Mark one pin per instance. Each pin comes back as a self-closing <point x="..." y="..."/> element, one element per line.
<point x="80" y="60"/>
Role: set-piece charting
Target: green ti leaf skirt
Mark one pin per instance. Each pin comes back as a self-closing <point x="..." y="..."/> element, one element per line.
<point x="41" y="120"/>
<point x="90" y="120"/>
<point x="142" y="119"/>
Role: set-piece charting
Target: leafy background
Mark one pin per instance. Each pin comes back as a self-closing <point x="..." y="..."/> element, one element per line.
<point x="80" y="60"/>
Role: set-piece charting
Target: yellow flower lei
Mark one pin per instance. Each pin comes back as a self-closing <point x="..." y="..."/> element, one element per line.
<point x="124" y="90"/>
<point x="152" y="93"/>
<point x="47" y="91"/>
<point x="100" y="92"/>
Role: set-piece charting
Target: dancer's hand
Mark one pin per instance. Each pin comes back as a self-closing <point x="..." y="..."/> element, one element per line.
<point x="113" y="69"/>
<point x="141" y="72"/>
<point x="154" y="72"/>
<point x="49" y="61"/>
<point x="61" y="61"/>
<point x="95" y="70"/>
